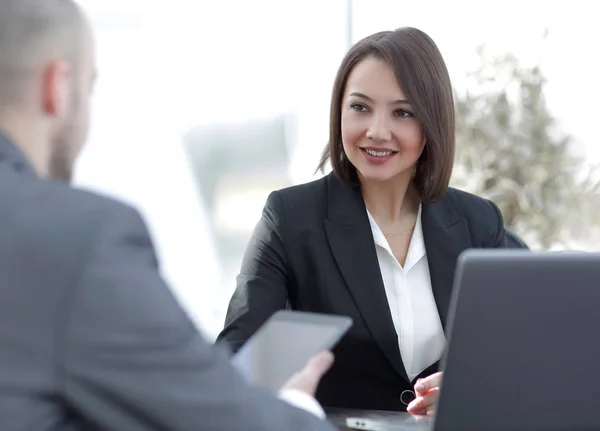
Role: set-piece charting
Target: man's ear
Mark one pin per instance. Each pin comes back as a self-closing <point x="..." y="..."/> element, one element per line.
<point x="56" y="88"/>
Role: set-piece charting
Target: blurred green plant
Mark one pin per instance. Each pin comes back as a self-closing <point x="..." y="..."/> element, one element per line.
<point x="511" y="150"/>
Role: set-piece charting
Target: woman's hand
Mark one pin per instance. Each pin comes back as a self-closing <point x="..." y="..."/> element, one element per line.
<point x="427" y="392"/>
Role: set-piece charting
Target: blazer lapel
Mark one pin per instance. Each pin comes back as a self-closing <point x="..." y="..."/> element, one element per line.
<point x="351" y="241"/>
<point x="446" y="235"/>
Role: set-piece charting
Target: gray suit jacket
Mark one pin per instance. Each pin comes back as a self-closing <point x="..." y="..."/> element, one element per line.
<point x="91" y="338"/>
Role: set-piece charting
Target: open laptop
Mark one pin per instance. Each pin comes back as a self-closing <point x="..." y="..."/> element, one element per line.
<point x="524" y="345"/>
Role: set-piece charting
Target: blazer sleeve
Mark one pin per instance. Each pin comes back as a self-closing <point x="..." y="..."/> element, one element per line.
<point x="262" y="285"/>
<point x="504" y="237"/>
<point x="129" y="357"/>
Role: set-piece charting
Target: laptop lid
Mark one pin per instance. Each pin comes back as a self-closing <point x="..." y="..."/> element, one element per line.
<point x="524" y="343"/>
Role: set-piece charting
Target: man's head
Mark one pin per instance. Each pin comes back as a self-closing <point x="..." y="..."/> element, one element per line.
<point x="47" y="72"/>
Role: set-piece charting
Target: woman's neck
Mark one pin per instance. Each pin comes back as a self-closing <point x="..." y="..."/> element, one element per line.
<point x="390" y="201"/>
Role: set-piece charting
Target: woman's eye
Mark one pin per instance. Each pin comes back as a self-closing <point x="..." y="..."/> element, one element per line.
<point x="403" y="113"/>
<point x="358" y="107"/>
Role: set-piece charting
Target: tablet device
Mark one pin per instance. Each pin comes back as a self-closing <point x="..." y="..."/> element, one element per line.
<point x="285" y="343"/>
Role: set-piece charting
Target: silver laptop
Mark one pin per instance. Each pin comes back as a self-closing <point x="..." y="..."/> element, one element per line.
<point x="524" y="345"/>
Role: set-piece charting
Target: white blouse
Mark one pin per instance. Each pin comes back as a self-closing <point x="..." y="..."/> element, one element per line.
<point x="414" y="312"/>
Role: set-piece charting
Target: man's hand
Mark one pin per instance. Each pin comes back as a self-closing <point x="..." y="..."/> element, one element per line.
<point x="427" y="391"/>
<point x="308" y="379"/>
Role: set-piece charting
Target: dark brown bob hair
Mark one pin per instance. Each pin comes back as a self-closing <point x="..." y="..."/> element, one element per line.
<point x="422" y="74"/>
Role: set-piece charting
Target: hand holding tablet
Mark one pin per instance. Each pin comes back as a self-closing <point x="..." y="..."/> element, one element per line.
<point x="285" y="343"/>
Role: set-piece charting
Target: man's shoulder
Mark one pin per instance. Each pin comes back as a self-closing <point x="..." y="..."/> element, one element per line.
<point x="54" y="231"/>
<point x="85" y="205"/>
<point x="46" y="209"/>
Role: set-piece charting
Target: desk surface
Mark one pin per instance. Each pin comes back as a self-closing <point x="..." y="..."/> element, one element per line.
<point x="338" y="417"/>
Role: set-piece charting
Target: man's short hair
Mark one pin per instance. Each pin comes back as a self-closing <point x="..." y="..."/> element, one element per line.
<point x="32" y="32"/>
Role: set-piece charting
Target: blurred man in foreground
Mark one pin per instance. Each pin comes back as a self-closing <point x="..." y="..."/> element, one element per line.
<point x="91" y="337"/>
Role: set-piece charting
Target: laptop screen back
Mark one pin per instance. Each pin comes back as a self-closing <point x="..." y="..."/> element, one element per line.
<point x="524" y="343"/>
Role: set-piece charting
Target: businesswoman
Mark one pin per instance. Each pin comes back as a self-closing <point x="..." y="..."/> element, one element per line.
<point x="378" y="238"/>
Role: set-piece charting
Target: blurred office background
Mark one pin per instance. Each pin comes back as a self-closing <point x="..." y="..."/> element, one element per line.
<point x="203" y="107"/>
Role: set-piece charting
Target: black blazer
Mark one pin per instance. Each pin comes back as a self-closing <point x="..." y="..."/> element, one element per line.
<point x="313" y="249"/>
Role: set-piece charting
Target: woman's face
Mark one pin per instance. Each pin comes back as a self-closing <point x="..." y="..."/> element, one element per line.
<point x="380" y="135"/>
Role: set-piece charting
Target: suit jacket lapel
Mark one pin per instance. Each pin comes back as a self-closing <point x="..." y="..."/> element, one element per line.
<point x="446" y="235"/>
<point x="351" y="241"/>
